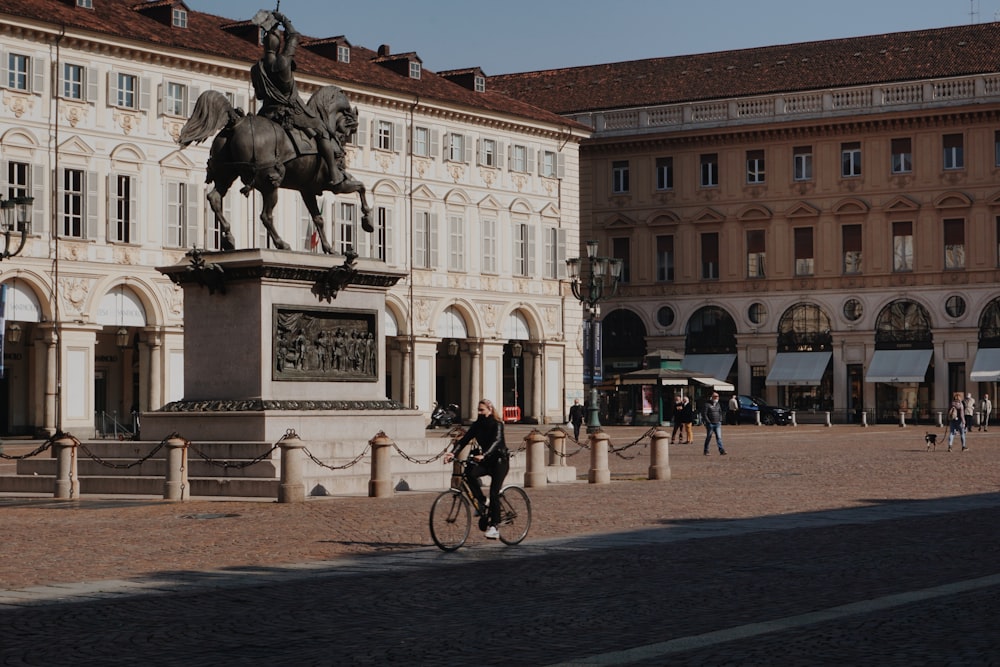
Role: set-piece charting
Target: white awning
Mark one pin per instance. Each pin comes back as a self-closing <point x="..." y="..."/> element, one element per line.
<point x="715" y="384"/>
<point x="898" y="366"/>
<point x="803" y="369"/>
<point x="986" y="367"/>
<point x="709" y="365"/>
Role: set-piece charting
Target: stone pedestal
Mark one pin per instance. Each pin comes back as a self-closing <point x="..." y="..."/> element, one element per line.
<point x="277" y="340"/>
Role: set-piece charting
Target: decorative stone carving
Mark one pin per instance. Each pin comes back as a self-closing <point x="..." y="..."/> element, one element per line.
<point x="18" y="104"/>
<point x="324" y="345"/>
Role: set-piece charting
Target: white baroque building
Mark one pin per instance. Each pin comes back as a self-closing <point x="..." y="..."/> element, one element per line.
<point x="475" y="195"/>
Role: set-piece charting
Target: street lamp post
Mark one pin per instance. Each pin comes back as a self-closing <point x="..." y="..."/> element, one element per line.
<point x="593" y="279"/>
<point x="15" y="215"/>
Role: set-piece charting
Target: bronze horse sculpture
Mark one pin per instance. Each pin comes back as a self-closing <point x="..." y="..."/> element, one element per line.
<point x="263" y="155"/>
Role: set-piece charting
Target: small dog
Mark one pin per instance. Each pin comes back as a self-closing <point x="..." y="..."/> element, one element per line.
<point x="931" y="440"/>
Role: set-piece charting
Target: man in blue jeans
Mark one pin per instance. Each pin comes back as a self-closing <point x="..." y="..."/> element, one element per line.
<point x="711" y="415"/>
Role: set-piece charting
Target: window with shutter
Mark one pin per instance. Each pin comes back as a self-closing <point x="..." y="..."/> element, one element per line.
<point x="954" y="244"/>
<point x="755" y="253"/>
<point x="852" y="248"/>
<point x="804" y="251"/>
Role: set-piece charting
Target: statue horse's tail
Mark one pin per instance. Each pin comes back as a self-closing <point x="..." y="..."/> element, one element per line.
<point x="212" y="112"/>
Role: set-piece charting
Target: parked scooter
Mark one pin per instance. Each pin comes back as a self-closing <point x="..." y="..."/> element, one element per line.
<point x="444" y="416"/>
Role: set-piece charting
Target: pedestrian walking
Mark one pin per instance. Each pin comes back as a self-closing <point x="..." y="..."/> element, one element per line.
<point x="677" y="433"/>
<point x="687" y="416"/>
<point x="711" y="416"/>
<point x="970" y="410"/>
<point x="734" y="411"/>
<point x="576" y="413"/>
<point x="985" y="409"/>
<point x="956" y="419"/>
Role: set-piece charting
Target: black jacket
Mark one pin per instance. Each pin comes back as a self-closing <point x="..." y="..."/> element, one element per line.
<point x="488" y="433"/>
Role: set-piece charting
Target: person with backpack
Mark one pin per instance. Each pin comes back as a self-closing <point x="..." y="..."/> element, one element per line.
<point x="956" y="419"/>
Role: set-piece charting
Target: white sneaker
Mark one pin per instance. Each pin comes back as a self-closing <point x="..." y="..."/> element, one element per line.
<point x="491" y="533"/>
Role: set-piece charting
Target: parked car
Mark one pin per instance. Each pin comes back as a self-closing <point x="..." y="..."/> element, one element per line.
<point x="769" y="414"/>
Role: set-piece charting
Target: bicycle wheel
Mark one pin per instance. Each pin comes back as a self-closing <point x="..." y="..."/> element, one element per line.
<point x="515" y="515"/>
<point x="451" y="520"/>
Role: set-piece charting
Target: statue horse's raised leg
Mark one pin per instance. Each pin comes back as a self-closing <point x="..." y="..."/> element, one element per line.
<point x="349" y="185"/>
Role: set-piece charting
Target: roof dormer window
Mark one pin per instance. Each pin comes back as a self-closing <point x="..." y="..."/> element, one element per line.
<point x="343" y="54"/>
<point x="480" y="84"/>
<point x="414" y="69"/>
<point x="86" y="4"/>
<point x="179" y="17"/>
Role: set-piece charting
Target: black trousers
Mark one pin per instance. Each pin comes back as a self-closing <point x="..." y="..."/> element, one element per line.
<point x="497" y="470"/>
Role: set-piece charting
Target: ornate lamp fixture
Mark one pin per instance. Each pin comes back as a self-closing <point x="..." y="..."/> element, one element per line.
<point x="15" y="216"/>
<point x="593" y="279"/>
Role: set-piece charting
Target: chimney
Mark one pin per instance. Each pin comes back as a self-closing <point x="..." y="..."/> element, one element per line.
<point x="384" y="50"/>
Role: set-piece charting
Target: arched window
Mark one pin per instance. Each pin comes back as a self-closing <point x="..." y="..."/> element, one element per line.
<point x="903" y="324"/>
<point x="623" y="338"/>
<point x="711" y="330"/>
<point x="804" y="328"/>
<point x="989" y="325"/>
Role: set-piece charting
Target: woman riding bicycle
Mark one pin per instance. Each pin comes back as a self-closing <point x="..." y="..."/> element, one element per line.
<point x="494" y="460"/>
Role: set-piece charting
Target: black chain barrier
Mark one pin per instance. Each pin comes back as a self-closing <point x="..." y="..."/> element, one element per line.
<point x="424" y="461"/>
<point x="564" y="455"/>
<point x="241" y="464"/>
<point x="617" y="451"/>
<point x="126" y="466"/>
<point x="35" y="452"/>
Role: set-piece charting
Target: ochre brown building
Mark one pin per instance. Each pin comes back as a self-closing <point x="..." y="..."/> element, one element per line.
<point x="816" y="222"/>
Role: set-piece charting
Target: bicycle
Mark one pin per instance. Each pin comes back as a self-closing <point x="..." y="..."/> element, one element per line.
<point x="451" y="514"/>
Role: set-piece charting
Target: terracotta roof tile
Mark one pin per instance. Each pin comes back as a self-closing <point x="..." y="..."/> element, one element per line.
<point x="874" y="59"/>
<point x="204" y="34"/>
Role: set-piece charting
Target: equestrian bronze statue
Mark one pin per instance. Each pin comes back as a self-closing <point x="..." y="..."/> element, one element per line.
<point x="288" y="144"/>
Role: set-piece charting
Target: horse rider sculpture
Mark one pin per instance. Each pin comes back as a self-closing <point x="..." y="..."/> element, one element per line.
<point x="274" y="85"/>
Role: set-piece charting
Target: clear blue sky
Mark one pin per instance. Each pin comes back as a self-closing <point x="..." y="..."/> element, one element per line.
<point x="522" y="35"/>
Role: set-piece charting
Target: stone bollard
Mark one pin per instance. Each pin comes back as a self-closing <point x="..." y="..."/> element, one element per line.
<point x="557" y="447"/>
<point x="902" y="418"/>
<point x="534" y="474"/>
<point x="828" y="422"/>
<point x="67" y="481"/>
<point x="940" y="415"/>
<point x="793" y="422"/>
<point x="864" y="419"/>
<point x="291" y="488"/>
<point x="599" y="472"/>
<point x="380" y="485"/>
<point x="175" y="486"/>
<point x="659" y="459"/>
<point x="756" y="417"/>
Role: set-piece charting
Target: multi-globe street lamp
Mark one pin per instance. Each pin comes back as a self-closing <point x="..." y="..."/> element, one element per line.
<point x="15" y="216"/>
<point x="593" y="279"/>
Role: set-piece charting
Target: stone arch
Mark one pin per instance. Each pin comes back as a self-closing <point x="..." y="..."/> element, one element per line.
<point x="466" y="313"/>
<point x="398" y="309"/>
<point x="754" y="213"/>
<point x="623" y="334"/>
<point x="903" y="322"/>
<point x="33" y="289"/>
<point x="127" y="153"/>
<point x="710" y="330"/>
<point x="532" y="321"/>
<point x="805" y="327"/>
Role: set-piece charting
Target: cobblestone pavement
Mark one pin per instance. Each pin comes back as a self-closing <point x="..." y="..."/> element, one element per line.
<point x="805" y="545"/>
